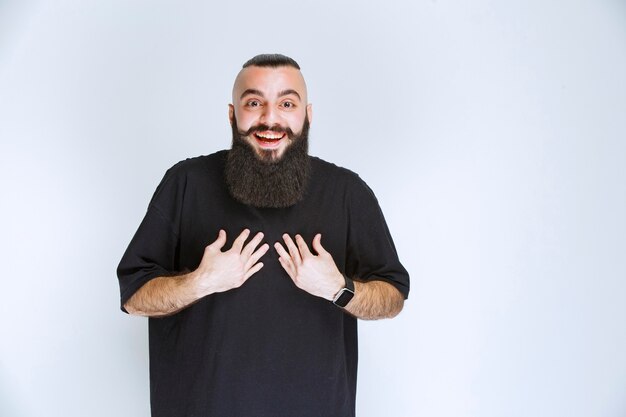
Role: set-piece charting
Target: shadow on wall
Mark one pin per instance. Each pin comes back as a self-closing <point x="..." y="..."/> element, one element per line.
<point x="8" y="399"/>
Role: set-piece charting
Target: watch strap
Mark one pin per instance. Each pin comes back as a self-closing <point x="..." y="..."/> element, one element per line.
<point x="344" y="296"/>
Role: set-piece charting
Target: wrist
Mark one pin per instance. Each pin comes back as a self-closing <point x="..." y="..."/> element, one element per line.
<point x="340" y="284"/>
<point x="345" y="294"/>
<point x="198" y="283"/>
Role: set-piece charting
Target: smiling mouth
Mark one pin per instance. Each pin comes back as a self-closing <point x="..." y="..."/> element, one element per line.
<point x="269" y="139"/>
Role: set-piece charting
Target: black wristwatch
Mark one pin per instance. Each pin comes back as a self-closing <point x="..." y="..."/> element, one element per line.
<point x="344" y="296"/>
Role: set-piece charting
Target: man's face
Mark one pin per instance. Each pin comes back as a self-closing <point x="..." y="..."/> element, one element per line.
<point x="269" y="108"/>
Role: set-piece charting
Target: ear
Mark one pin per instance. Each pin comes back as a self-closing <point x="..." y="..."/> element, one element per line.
<point x="309" y="112"/>
<point x="231" y="113"/>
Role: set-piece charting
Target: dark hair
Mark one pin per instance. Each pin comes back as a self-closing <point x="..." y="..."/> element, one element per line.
<point x="271" y="60"/>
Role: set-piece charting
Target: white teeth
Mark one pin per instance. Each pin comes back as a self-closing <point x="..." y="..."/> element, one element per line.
<point x="269" y="135"/>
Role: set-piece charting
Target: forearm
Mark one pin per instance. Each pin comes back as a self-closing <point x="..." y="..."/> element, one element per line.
<point x="375" y="300"/>
<point x="218" y="272"/>
<point x="163" y="296"/>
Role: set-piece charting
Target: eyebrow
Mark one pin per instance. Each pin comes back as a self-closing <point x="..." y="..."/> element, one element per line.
<point x="251" y="91"/>
<point x="289" y="91"/>
<point x="254" y="91"/>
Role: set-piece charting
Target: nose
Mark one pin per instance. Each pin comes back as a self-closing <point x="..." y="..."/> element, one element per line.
<point x="269" y="116"/>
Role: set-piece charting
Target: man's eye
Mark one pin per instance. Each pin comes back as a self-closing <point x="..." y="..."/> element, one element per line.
<point x="253" y="103"/>
<point x="288" y="105"/>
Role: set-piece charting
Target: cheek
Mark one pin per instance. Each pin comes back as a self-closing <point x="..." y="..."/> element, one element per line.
<point x="244" y="121"/>
<point x="296" y="122"/>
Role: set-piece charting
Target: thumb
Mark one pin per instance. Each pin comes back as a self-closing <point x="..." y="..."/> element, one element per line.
<point x="220" y="241"/>
<point x="317" y="245"/>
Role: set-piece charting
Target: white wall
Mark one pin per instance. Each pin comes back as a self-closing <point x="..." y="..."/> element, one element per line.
<point x="492" y="132"/>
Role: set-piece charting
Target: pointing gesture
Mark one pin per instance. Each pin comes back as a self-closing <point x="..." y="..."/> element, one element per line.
<point x="218" y="272"/>
<point x="316" y="274"/>
<point x="221" y="271"/>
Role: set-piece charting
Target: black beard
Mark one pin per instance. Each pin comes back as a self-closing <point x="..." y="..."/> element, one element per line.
<point x="265" y="180"/>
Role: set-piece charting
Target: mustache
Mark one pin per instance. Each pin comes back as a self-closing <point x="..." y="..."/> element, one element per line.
<point x="265" y="128"/>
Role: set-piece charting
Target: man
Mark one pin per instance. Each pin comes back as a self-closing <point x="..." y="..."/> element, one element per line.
<point x="237" y="329"/>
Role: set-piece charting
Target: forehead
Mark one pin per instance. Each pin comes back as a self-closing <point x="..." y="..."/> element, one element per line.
<point x="269" y="81"/>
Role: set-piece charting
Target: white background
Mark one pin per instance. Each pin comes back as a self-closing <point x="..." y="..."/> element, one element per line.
<point x="493" y="133"/>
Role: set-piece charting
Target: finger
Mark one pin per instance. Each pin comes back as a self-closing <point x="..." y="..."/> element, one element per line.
<point x="256" y="268"/>
<point x="285" y="259"/>
<point x="281" y="251"/>
<point x="303" y="247"/>
<point x="317" y="245"/>
<point x="220" y="241"/>
<point x="293" y="250"/>
<point x="238" y="243"/>
<point x="288" y="267"/>
<point x="249" y="248"/>
<point x="257" y="255"/>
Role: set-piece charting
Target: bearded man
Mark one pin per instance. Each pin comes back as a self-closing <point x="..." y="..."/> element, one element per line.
<point x="237" y="329"/>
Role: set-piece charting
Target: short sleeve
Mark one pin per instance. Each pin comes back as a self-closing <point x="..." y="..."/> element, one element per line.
<point x="152" y="251"/>
<point x="371" y="252"/>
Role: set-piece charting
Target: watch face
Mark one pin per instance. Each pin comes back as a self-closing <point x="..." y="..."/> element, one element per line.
<point x="344" y="297"/>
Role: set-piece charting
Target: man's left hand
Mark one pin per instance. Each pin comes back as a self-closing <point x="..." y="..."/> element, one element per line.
<point x="316" y="274"/>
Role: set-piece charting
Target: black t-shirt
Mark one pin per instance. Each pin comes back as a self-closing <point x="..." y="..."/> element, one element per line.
<point x="268" y="348"/>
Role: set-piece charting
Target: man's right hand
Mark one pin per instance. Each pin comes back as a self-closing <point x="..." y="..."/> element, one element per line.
<point x="221" y="271"/>
<point x="218" y="272"/>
